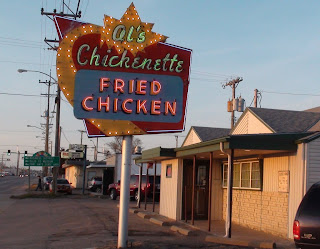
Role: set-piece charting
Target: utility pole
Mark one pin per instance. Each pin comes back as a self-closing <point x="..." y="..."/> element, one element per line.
<point x="47" y="116"/>
<point x="55" y="13"/>
<point x="97" y="149"/>
<point x="18" y="157"/>
<point x="81" y="131"/>
<point x="55" y="170"/>
<point x="177" y="137"/>
<point x="257" y="94"/>
<point x="233" y="84"/>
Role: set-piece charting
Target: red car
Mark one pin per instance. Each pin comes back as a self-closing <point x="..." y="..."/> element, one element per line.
<point x="114" y="188"/>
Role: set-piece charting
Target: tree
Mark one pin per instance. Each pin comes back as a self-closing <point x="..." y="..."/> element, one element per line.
<point x="116" y="144"/>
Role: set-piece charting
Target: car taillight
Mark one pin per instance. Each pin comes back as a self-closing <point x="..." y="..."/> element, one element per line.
<point x="296" y="230"/>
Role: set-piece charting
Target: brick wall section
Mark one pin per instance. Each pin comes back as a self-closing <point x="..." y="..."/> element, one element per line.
<point x="262" y="211"/>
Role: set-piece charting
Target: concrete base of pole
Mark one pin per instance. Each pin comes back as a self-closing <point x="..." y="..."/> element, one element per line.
<point x="125" y="192"/>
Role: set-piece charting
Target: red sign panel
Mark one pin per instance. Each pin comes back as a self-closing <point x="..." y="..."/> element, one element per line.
<point x="122" y="78"/>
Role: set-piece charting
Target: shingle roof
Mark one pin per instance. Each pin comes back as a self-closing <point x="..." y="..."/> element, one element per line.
<point x="209" y="133"/>
<point x="283" y="121"/>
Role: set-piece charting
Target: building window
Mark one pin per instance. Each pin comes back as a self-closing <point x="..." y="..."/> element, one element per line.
<point x="169" y="171"/>
<point x="246" y="175"/>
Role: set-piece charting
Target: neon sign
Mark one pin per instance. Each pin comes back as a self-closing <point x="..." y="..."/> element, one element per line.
<point x="122" y="77"/>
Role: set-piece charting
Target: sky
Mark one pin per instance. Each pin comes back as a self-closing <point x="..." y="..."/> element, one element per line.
<point x="273" y="45"/>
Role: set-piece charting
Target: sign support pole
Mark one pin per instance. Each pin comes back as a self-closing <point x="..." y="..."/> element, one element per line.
<point x="84" y="169"/>
<point x="125" y="192"/>
<point x="29" y="179"/>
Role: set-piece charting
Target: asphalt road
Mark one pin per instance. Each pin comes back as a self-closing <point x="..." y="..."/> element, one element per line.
<point x="77" y="222"/>
<point x="10" y="185"/>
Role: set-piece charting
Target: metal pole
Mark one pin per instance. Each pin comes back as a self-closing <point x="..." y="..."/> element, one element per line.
<point x="18" y="162"/>
<point x="154" y="185"/>
<point x="229" y="194"/>
<point x="45" y="169"/>
<point x="140" y="180"/>
<point x="55" y="170"/>
<point x="29" y="179"/>
<point x="84" y="169"/>
<point x="146" y="189"/>
<point x="125" y="192"/>
<point x="210" y="191"/>
<point x="193" y="188"/>
<point x="97" y="149"/>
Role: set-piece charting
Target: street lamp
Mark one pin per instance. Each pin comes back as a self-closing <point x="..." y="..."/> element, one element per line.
<point x="35" y="127"/>
<point x="57" y="135"/>
<point x="35" y="71"/>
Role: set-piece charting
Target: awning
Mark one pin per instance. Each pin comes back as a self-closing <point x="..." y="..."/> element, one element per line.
<point x="155" y="154"/>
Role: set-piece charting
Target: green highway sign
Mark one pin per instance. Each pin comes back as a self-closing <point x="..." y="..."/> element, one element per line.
<point x="42" y="161"/>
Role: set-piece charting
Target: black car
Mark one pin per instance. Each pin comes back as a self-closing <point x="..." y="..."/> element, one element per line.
<point x="306" y="227"/>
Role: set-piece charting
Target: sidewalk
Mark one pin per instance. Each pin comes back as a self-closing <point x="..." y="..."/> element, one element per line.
<point x="241" y="236"/>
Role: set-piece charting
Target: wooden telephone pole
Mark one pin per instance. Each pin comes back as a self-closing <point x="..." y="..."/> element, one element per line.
<point x="233" y="84"/>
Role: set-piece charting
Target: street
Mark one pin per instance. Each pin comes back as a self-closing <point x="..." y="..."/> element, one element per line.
<point x="77" y="222"/>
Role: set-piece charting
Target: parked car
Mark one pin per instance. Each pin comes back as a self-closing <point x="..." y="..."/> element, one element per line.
<point x="114" y="188"/>
<point x="46" y="182"/>
<point x="1" y="174"/>
<point x="95" y="184"/>
<point x="63" y="186"/>
<point x="306" y="227"/>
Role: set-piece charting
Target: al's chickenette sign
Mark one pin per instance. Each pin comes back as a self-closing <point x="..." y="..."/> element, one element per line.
<point x="122" y="78"/>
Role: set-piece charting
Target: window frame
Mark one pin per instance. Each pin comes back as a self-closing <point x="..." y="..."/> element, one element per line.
<point x="225" y="175"/>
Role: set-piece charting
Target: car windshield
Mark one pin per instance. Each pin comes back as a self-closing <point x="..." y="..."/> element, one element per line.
<point x="62" y="181"/>
<point x="311" y="204"/>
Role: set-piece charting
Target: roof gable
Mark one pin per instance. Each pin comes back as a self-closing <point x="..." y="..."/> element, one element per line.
<point x="284" y="121"/>
<point x="199" y="134"/>
<point x="191" y="138"/>
<point x="250" y="124"/>
<point x="210" y="133"/>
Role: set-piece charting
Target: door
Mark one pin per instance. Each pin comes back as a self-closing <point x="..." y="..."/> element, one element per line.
<point x="201" y="193"/>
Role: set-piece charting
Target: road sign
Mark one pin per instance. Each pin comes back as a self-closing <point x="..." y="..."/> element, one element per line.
<point x="71" y="155"/>
<point x="39" y="161"/>
<point x="76" y="147"/>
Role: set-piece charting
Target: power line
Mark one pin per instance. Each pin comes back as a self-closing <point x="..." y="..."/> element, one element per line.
<point x="65" y="136"/>
<point x="29" y="63"/>
<point x="20" y="40"/>
<point x="303" y="94"/>
<point x="26" y="95"/>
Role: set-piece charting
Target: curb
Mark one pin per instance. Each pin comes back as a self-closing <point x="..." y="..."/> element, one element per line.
<point x="182" y="231"/>
<point x="133" y="211"/>
<point x="143" y="215"/>
<point x="159" y="222"/>
<point x="236" y="242"/>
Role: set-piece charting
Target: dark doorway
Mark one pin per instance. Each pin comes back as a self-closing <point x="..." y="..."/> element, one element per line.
<point x="201" y="189"/>
<point x="108" y="178"/>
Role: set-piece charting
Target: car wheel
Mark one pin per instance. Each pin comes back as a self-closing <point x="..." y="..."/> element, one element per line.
<point x="98" y="190"/>
<point x="113" y="194"/>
